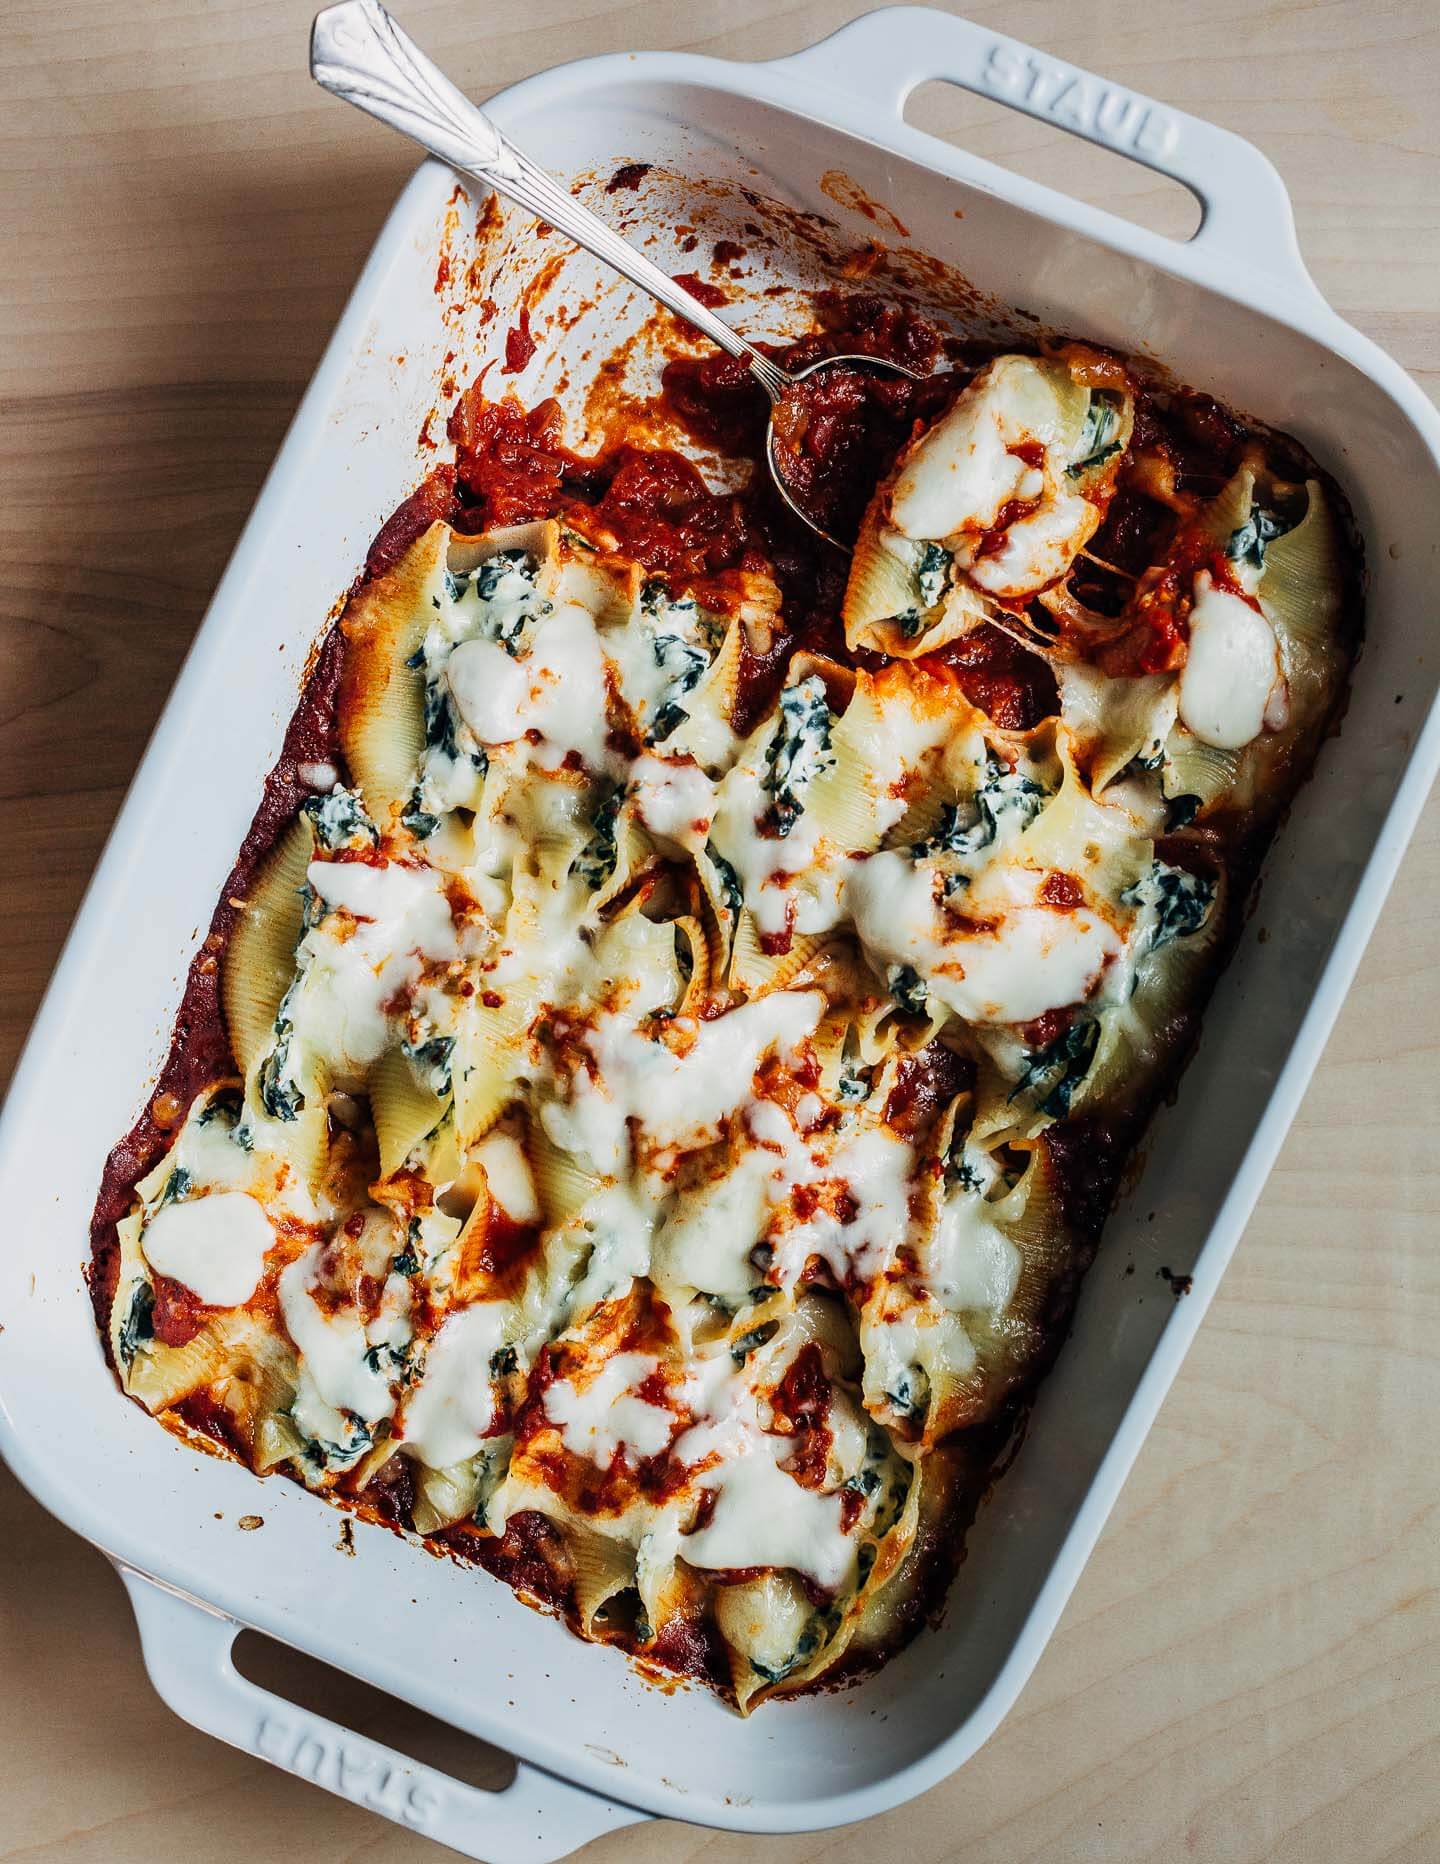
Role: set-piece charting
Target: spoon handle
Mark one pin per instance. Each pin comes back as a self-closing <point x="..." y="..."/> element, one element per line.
<point x="358" y="52"/>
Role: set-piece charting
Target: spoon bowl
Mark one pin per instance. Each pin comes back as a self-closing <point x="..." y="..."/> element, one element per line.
<point x="855" y="364"/>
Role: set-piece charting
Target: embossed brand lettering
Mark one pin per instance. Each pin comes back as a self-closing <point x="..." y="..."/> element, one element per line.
<point x="1078" y="102"/>
<point x="309" y="1757"/>
<point x="272" y="1740"/>
<point x="357" y="1772"/>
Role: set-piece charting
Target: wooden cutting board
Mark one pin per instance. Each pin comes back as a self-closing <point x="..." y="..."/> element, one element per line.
<point x="1250" y="1668"/>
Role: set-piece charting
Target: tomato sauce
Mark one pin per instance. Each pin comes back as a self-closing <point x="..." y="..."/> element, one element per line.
<point x="178" y="1314"/>
<point x="802" y="1401"/>
<point x="1013" y="686"/>
<point x="926" y="1082"/>
<point x="520" y="345"/>
<point x="711" y="296"/>
<point x="507" y="1245"/>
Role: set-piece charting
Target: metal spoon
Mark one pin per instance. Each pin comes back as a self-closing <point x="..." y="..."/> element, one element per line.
<point x="358" y="52"/>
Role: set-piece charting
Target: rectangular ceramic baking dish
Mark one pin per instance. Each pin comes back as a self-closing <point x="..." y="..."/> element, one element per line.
<point x="598" y="1747"/>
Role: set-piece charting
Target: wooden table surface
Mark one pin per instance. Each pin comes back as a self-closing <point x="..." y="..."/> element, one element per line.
<point x="1250" y="1667"/>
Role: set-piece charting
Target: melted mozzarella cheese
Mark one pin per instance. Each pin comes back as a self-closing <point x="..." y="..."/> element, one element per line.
<point x="898" y="740"/>
<point x="675" y="800"/>
<point x="1021" y="959"/>
<point x="762" y="1516"/>
<point x="1038" y="548"/>
<point x="678" y="1094"/>
<point x="405" y="902"/>
<point x="961" y="471"/>
<point x="874" y="1169"/>
<point x="492" y="690"/>
<point x="508" y="1174"/>
<point x="333" y="1345"/>
<point x="621" y="1220"/>
<point x="764" y="862"/>
<point x="449" y="1413"/>
<point x="558" y="690"/>
<point x="215" y="1246"/>
<point x="207" y="1150"/>
<point x="706" y="1241"/>
<point x="570" y="705"/>
<point x="970" y="1263"/>
<point x="607" y="1415"/>
<point x="1232" y="664"/>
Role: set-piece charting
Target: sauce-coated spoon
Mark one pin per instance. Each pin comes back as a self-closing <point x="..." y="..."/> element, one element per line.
<point x="358" y="52"/>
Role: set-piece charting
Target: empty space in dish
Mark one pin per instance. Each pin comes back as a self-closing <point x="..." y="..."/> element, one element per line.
<point x="448" y="1638"/>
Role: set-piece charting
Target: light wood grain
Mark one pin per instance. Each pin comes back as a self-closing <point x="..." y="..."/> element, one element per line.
<point x="1250" y="1668"/>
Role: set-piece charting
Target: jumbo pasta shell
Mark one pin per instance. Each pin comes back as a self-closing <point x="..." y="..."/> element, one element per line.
<point x="882" y="608"/>
<point x="445" y="1496"/>
<point x="601" y="1567"/>
<point x="1199" y="770"/>
<point x="1301" y="588"/>
<point x="757" y="971"/>
<point x="405" y="1111"/>
<point x="259" y="962"/>
<point x="381" y="706"/>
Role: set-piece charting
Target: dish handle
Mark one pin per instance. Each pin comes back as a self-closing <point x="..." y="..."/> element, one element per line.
<point x="1247" y="219"/>
<point x="187" y="1649"/>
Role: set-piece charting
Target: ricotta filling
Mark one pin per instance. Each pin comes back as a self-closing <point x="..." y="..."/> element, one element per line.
<point x="381" y="925"/>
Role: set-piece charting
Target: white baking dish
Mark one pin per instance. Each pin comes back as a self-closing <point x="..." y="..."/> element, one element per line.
<point x="1233" y="311"/>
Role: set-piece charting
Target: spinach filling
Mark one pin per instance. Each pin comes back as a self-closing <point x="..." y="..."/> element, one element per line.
<point x="339" y="820"/>
<point x="798" y="753"/>
<point x="1248" y="541"/>
<point x="961" y="1175"/>
<point x="595" y="862"/>
<point x="387" y="1358"/>
<point x="909" y="1395"/>
<point x="908" y="989"/>
<point x="676" y="632"/>
<point x="1180" y="902"/>
<point x="431" y="1060"/>
<point x="137" y="1329"/>
<point x="683" y="665"/>
<point x="506" y="586"/>
<point x="176" y="1186"/>
<point x="1053" y="1073"/>
<point x="730" y="888"/>
<point x="322" y="1453"/>
<point x="1005" y="804"/>
<point x="1099" y="439"/>
<point x="742" y="1348"/>
<point x="1180" y="812"/>
<point x="280" y="1093"/>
